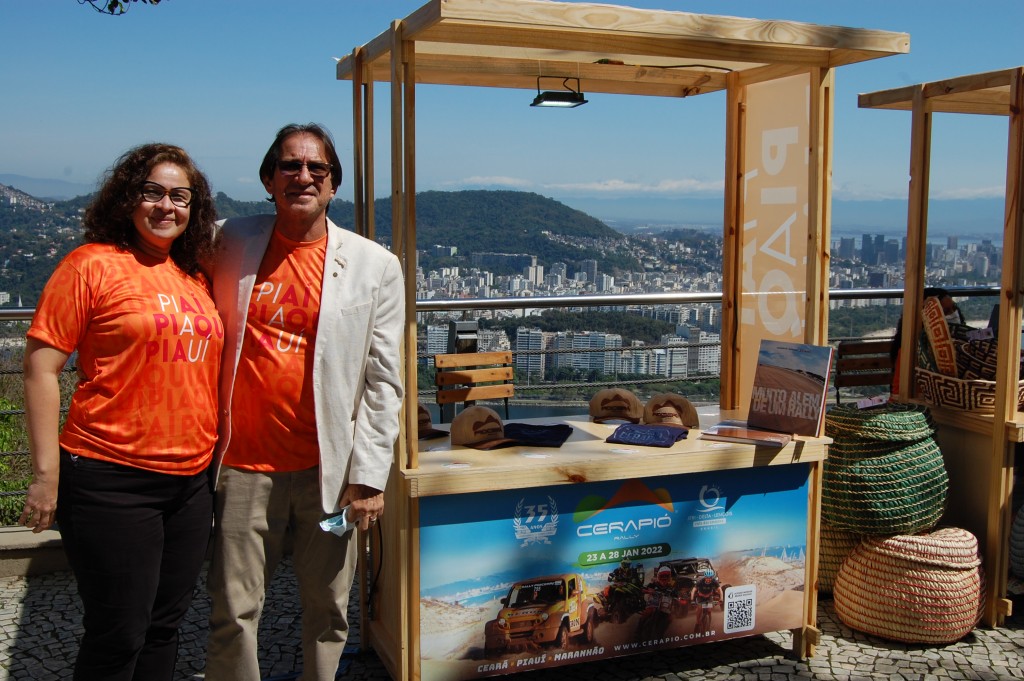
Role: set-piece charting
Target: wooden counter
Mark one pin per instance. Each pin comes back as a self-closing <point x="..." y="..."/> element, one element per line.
<point x="585" y="457"/>
<point x="470" y="517"/>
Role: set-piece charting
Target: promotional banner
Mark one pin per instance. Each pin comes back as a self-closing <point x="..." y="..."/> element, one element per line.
<point x="515" y="580"/>
<point x="775" y="225"/>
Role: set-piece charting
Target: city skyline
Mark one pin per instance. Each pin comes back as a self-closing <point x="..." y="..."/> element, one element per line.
<point x="85" y="87"/>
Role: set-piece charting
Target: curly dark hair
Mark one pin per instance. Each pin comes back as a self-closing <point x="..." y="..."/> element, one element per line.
<point x="273" y="154"/>
<point x="108" y="219"/>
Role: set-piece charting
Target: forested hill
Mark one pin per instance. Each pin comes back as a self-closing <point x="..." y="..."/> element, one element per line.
<point x="511" y="222"/>
<point x="36" y="234"/>
<point x="480" y="221"/>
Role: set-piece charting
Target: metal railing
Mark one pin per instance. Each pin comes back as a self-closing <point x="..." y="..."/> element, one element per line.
<point x="524" y="305"/>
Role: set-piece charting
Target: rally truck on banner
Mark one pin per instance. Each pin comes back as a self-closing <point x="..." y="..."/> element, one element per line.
<point x="548" y="610"/>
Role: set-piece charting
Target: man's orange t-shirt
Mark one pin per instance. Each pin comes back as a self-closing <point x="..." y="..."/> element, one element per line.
<point x="273" y="421"/>
<point x="149" y="342"/>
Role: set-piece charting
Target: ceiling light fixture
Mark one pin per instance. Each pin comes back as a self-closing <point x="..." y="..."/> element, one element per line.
<point x="564" y="99"/>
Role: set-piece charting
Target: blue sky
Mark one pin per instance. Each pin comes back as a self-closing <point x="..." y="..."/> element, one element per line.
<point x="220" y="78"/>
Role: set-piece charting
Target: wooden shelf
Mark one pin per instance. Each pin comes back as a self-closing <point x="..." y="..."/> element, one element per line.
<point x="976" y="422"/>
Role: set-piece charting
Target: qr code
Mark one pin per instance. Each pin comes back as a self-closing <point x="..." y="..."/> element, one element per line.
<point x="739" y="608"/>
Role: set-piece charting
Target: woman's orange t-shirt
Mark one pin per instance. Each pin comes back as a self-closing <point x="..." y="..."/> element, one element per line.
<point x="149" y="342"/>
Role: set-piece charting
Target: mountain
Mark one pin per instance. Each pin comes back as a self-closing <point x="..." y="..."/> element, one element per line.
<point x="481" y="221"/>
<point x="45" y="188"/>
<point x="35" y="234"/>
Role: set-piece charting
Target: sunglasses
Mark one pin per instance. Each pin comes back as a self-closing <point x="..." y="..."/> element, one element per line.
<point x="316" y="170"/>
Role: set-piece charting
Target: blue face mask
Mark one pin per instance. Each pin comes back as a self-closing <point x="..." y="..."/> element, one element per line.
<point x="338" y="523"/>
<point x="953" y="317"/>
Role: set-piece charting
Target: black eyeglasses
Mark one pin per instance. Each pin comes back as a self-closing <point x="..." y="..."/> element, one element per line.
<point x="155" y="193"/>
<point x="316" y="170"/>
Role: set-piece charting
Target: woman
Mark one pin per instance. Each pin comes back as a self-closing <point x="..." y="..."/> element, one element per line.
<point x="126" y="480"/>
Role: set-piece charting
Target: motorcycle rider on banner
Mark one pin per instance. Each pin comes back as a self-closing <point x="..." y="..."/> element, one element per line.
<point x="661" y="595"/>
<point x="626" y="573"/>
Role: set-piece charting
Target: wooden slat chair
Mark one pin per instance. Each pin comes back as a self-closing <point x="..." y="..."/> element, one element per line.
<point x="470" y="376"/>
<point x="862" y="363"/>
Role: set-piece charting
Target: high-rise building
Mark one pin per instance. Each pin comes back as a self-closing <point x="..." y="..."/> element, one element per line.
<point x="530" y="339"/>
<point x="867" y="249"/>
<point x="677" y="356"/>
<point x="590" y="268"/>
<point x="847" y="248"/>
<point x="437" y="341"/>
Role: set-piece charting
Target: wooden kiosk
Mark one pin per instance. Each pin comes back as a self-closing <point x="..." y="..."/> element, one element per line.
<point x="978" y="448"/>
<point x="776" y="78"/>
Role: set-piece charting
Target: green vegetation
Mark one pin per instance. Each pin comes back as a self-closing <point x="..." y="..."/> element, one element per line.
<point x="15" y="463"/>
<point x="15" y="469"/>
<point x="506" y="222"/>
<point x="629" y="325"/>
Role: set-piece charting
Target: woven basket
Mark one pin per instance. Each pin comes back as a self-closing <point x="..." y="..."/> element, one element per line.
<point x="834" y="546"/>
<point x="969" y="395"/>
<point x="1017" y="544"/>
<point x="882" y="486"/>
<point x="926" y="588"/>
<point x="892" y="423"/>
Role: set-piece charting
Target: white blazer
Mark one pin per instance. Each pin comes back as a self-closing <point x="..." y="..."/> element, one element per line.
<point x="357" y="377"/>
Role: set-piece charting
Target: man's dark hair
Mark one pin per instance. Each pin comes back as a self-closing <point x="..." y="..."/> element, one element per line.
<point x="273" y="154"/>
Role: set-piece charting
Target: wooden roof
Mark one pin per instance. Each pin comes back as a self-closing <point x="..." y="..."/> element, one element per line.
<point x="610" y="48"/>
<point x="979" y="93"/>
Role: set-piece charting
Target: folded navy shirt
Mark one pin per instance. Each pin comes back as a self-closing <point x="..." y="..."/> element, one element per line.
<point x="647" y="434"/>
<point x="531" y="435"/>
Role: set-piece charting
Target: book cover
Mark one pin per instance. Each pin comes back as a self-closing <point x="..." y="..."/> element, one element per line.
<point x="790" y="387"/>
<point x="733" y="430"/>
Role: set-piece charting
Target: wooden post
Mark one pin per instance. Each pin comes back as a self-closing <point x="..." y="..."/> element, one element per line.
<point x="1000" y="492"/>
<point x="729" y="390"/>
<point x="819" y="207"/>
<point x="917" y="232"/>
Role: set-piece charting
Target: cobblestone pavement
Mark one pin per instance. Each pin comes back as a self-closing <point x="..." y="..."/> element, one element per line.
<point x="40" y="621"/>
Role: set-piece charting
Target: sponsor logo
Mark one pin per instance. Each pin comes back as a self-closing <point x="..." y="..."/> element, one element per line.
<point x="535" y="523"/>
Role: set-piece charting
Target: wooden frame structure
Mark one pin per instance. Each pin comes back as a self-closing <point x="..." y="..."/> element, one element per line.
<point x="471" y="376"/>
<point x="862" y="363"/>
<point x="615" y="50"/>
<point x="980" y="486"/>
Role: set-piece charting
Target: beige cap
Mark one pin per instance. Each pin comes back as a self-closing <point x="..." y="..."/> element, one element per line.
<point x="671" y="409"/>
<point x="425" y="428"/>
<point x="479" y="428"/>
<point x="611" y="404"/>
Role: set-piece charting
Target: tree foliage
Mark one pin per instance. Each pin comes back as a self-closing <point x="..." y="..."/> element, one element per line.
<point x="114" y="7"/>
<point x="482" y="221"/>
<point x="629" y="325"/>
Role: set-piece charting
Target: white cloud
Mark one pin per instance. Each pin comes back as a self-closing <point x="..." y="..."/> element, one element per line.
<point x="687" y="186"/>
<point x="855" y="192"/>
<point x="488" y="181"/>
<point x="969" y="193"/>
<point x="859" y="192"/>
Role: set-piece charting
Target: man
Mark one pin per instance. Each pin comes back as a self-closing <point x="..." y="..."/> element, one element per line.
<point x="310" y="397"/>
